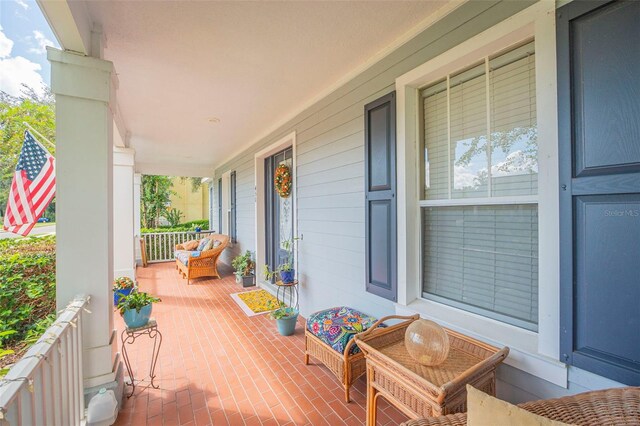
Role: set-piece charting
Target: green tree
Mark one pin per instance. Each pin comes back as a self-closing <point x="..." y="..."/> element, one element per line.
<point x="36" y="110"/>
<point x="154" y="199"/>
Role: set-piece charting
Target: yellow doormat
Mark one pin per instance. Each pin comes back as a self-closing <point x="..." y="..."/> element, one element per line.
<point x="255" y="302"/>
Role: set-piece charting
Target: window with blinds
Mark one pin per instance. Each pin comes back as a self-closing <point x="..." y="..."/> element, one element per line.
<point x="479" y="206"/>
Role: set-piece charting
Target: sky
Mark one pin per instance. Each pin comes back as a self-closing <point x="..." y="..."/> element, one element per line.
<point x="24" y="35"/>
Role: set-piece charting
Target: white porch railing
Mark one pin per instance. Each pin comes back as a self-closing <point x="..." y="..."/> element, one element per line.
<point x="161" y="246"/>
<point x="45" y="386"/>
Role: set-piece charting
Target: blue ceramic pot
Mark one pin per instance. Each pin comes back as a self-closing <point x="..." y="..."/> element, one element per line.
<point x="135" y="319"/>
<point x="286" y="326"/>
<point x="119" y="294"/>
<point x="287" y="276"/>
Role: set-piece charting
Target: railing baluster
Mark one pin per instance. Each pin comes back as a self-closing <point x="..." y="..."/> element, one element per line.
<point x="78" y="332"/>
<point x="56" y="384"/>
<point x="39" y="397"/>
<point x="72" y="377"/>
<point x="64" y="379"/>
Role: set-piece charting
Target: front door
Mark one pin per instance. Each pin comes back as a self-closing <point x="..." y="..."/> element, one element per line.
<point x="279" y="212"/>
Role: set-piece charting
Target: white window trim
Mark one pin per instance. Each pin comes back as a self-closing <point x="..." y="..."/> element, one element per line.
<point x="285" y="142"/>
<point x="535" y="353"/>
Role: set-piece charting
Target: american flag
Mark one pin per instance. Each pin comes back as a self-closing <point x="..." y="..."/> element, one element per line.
<point x="33" y="187"/>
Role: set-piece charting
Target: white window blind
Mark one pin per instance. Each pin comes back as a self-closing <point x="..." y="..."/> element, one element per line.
<point x="480" y="222"/>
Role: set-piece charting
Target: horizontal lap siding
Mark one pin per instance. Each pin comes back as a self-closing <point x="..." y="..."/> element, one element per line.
<point x="330" y="167"/>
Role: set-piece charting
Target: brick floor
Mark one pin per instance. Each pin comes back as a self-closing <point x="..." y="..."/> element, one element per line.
<point x="219" y="367"/>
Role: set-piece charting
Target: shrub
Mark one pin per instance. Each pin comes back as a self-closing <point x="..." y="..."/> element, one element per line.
<point x="27" y="287"/>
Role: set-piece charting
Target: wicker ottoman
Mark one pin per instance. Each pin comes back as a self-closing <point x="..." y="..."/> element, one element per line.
<point x="329" y="339"/>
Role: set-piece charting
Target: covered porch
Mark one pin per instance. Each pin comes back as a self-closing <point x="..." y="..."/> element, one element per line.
<point x="219" y="366"/>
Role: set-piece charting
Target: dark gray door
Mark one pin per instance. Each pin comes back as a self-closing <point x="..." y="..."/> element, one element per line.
<point x="279" y="212"/>
<point x="380" y="197"/>
<point x="220" y="206"/>
<point x="599" y="116"/>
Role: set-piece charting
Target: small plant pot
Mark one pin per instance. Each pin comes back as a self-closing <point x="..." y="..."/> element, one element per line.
<point x="135" y="319"/>
<point x="238" y="279"/>
<point x="119" y="294"/>
<point x="286" y="326"/>
<point x="248" y="281"/>
<point x="287" y="276"/>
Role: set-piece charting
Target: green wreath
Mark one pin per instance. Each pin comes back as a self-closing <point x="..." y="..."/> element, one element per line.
<point x="283" y="180"/>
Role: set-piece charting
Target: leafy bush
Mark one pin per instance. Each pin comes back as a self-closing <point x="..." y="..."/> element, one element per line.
<point x="184" y="227"/>
<point x="173" y="216"/>
<point x="27" y="287"/>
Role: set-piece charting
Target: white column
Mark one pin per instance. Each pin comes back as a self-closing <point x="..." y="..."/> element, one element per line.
<point x="84" y="88"/>
<point x="137" y="182"/>
<point x="123" y="213"/>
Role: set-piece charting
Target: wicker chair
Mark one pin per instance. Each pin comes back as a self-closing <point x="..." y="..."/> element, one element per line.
<point x="346" y="366"/>
<point x="205" y="265"/>
<point x="614" y="407"/>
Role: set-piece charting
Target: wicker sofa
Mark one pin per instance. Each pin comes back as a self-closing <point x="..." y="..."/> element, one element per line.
<point x="201" y="264"/>
<point x="615" y="407"/>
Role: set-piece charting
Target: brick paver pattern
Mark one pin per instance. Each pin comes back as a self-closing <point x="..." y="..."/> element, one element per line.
<point x="218" y="366"/>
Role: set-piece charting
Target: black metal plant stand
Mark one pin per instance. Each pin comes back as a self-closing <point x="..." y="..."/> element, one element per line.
<point x="129" y="336"/>
<point x="288" y="288"/>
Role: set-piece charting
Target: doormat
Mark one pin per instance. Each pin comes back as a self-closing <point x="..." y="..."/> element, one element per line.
<point x="255" y="302"/>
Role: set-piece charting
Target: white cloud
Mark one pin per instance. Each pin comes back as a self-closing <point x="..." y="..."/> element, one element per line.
<point x="17" y="71"/>
<point x="6" y="45"/>
<point x="464" y="177"/>
<point x="42" y="43"/>
<point x="22" y="3"/>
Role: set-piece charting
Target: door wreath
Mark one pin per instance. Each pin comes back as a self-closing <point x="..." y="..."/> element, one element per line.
<point x="283" y="181"/>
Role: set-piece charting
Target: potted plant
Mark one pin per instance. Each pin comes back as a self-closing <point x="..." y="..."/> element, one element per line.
<point x="286" y="269"/>
<point x="285" y="320"/>
<point x="122" y="286"/>
<point x="136" y="308"/>
<point x="244" y="267"/>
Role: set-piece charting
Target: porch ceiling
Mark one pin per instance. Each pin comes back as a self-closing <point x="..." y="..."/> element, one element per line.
<point x="251" y="65"/>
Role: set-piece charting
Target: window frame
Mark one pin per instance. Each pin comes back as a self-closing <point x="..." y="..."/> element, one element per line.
<point x="488" y="200"/>
<point x="533" y="352"/>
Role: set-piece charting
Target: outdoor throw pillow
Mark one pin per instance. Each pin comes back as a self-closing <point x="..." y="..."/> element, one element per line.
<point x="203" y="243"/>
<point x="216" y="243"/>
<point x="191" y="245"/>
<point x="208" y="245"/>
<point x="485" y="410"/>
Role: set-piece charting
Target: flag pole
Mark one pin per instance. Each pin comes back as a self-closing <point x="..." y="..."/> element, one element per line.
<point x="30" y="127"/>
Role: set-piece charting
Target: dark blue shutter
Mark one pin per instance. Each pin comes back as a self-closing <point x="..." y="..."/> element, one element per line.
<point x="220" y="205"/>
<point x="233" y="230"/>
<point x="599" y="137"/>
<point x="380" y="197"/>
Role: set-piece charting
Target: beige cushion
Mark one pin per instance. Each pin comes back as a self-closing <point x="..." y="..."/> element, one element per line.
<point x="485" y="410"/>
<point x="208" y="245"/>
<point x="191" y="245"/>
<point x="216" y="243"/>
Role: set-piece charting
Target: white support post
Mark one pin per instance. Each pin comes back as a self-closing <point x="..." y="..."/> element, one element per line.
<point x="137" y="182"/>
<point x="123" y="213"/>
<point x="84" y="88"/>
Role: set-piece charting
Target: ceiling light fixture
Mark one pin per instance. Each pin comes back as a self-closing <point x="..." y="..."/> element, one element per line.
<point x="214" y="120"/>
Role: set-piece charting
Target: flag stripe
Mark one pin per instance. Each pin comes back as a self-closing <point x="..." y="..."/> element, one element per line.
<point x="43" y="188"/>
<point x="45" y="174"/>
